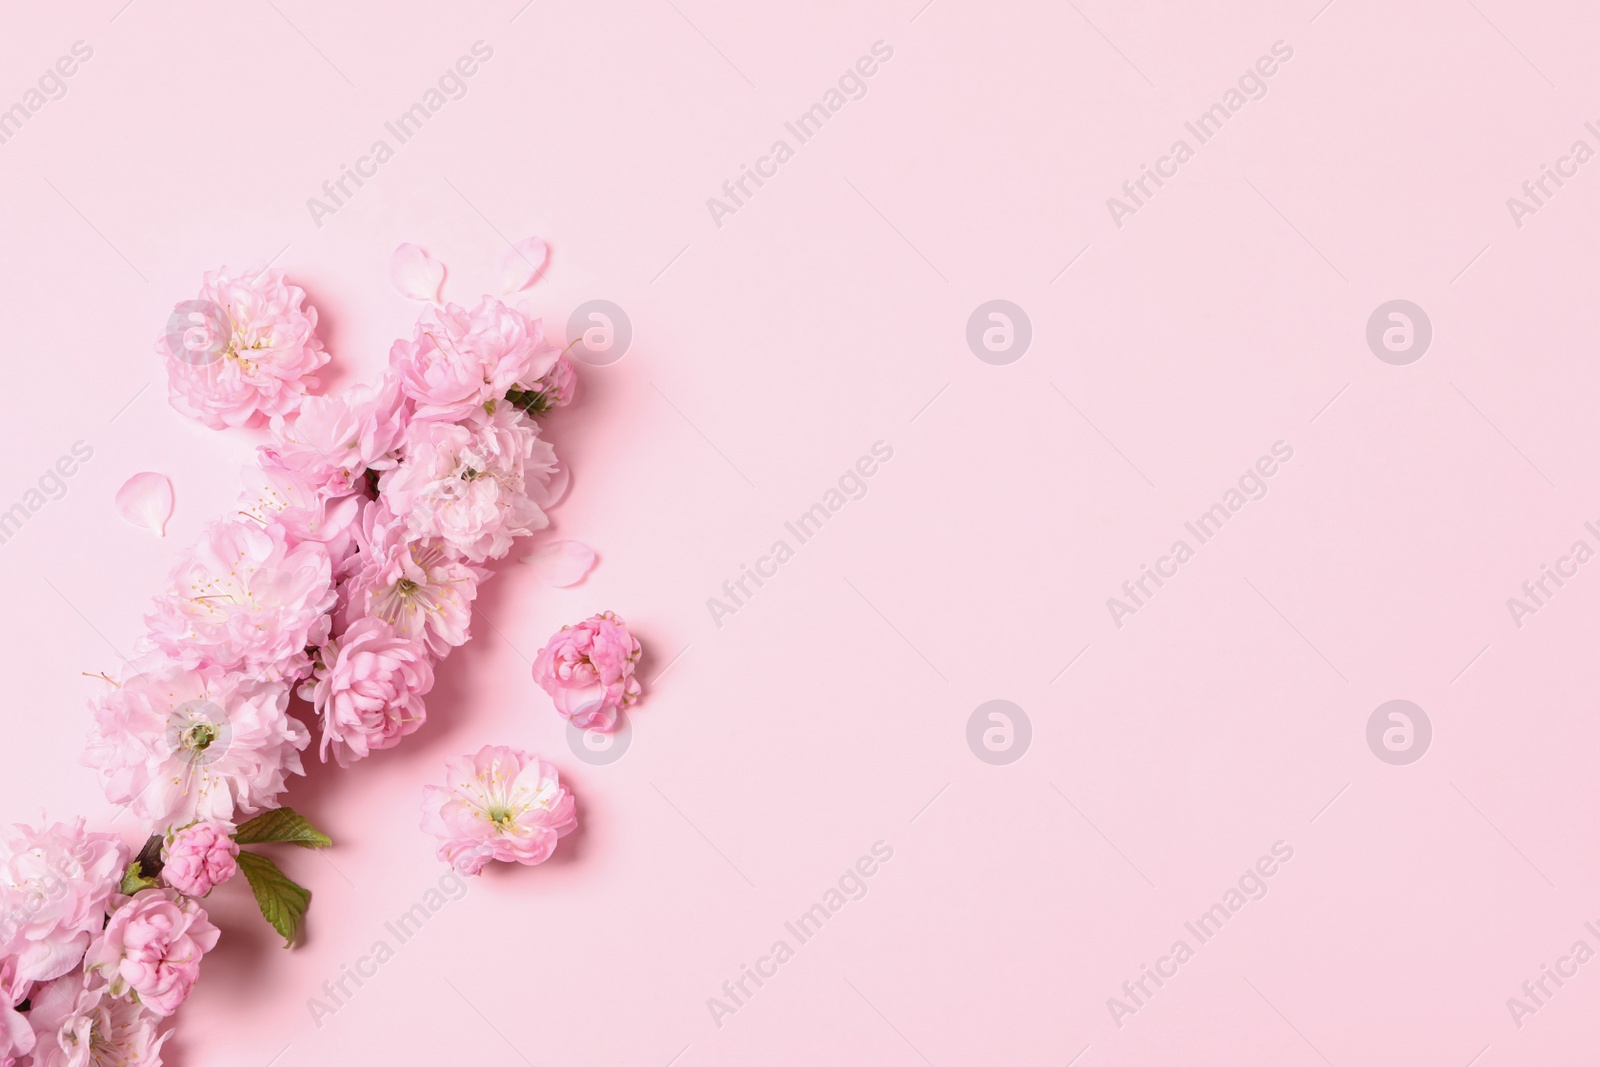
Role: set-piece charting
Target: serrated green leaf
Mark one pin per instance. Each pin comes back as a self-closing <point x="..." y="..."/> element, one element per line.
<point x="282" y="902"/>
<point x="281" y="824"/>
<point x="134" y="880"/>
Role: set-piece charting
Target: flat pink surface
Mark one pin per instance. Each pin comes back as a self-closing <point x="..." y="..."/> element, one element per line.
<point x="828" y="312"/>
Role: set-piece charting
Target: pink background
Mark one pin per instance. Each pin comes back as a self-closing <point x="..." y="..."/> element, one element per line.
<point x="769" y="353"/>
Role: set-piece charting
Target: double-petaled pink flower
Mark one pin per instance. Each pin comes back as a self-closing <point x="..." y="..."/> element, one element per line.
<point x="334" y="440"/>
<point x="151" y="949"/>
<point x="55" y="885"/>
<point x="473" y="486"/>
<point x="368" y="689"/>
<point x="178" y="745"/>
<point x="244" y="598"/>
<point x="459" y="360"/>
<point x="245" y="348"/>
<point x="588" y="670"/>
<point x="199" y="858"/>
<point x="78" y="1023"/>
<point x="415" y="586"/>
<point x="502" y="804"/>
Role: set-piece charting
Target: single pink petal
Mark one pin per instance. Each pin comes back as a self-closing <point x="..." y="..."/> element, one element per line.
<point x="522" y="264"/>
<point x="146" y="500"/>
<point x="415" y="274"/>
<point x="562" y="563"/>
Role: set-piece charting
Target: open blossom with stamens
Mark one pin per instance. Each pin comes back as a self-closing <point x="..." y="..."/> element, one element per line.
<point x="473" y="485"/>
<point x="458" y="360"/>
<point x="247" y="347"/>
<point x="78" y="1023"/>
<point x="243" y="599"/>
<point x="281" y="496"/>
<point x="177" y="745"/>
<point x="334" y="440"/>
<point x="368" y="690"/>
<point x="502" y="804"/>
<point x="55" y="883"/>
<point x="150" y="950"/>
<point x="414" y="586"/>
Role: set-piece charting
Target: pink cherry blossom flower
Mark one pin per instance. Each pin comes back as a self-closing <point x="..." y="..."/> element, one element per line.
<point x="502" y="804"/>
<point x="414" y="586"/>
<point x="80" y="1024"/>
<point x="179" y="745"/>
<point x="151" y="949"/>
<point x="458" y="360"/>
<point x="245" y="347"/>
<point x="244" y="599"/>
<point x="369" y="689"/>
<point x="588" y="670"/>
<point x="200" y="857"/>
<point x="333" y="440"/>
<point x="472" y="485"/>
<point x="55" y="883"/>
<point x="278" y="496"/>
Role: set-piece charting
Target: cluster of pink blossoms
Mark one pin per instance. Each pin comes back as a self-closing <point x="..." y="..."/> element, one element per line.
<point x="347" y="573"/>
<point x="350" y="568"/>
<point x="90" y="965"/>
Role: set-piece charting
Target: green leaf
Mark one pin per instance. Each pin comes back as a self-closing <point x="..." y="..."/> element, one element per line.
<point x="282" y="902"/>
<point x="281" y="824"/>
<point x="133" y="880"/>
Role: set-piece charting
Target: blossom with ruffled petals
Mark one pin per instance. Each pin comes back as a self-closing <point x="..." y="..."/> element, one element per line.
<point x="334" y="440"/>
<point x="473" y="485"/>
<point x="178" y="745"/>
<point x="280" y="496"/>
<point x="368" y="690"/>
<point x="78" y="1023"/>
<point x="199" y="858"/>
<point x="245" y="347"/>
<point x="415" y="586"/>
<point x="244" y="599"/>
<point x="502" y="804"/>
<point x="458" y="360"/>
<point x="55" y="882"/>
<point x="588" y="670"/>
<point x="150" y="950"/>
